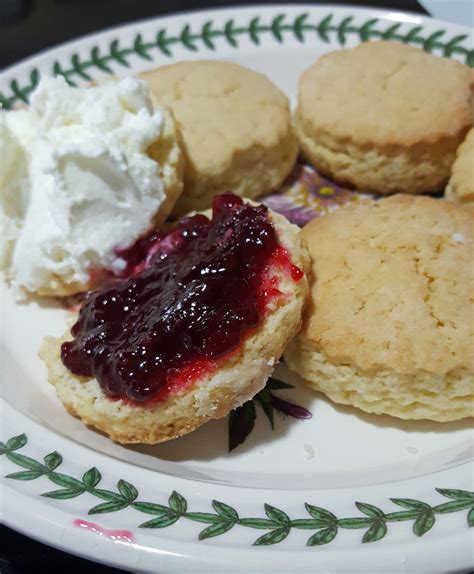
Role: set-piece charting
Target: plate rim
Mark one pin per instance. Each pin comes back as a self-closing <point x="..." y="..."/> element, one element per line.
<point x="123" y="29"/>
<point x="117" y="553"/>
<point x="210" y="9"/>
<point x="376" y="14"/>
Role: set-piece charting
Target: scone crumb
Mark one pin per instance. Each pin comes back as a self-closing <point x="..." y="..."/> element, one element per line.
<point x="459" y="238"/>
<point x="309" y="451"/>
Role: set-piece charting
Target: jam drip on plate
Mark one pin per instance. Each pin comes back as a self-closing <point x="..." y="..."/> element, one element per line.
<point x="193" y="295"/>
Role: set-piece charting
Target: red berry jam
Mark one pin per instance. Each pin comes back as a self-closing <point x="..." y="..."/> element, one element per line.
<point x="193" y="295"/>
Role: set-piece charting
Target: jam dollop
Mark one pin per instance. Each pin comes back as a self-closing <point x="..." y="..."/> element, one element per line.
<point x="193" y="295"/>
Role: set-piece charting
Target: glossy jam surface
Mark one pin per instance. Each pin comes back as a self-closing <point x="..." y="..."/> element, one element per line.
<point x="193" y="295"/>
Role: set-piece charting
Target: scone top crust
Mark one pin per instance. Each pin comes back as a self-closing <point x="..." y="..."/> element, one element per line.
<point x="386" y="93"/>
<point x="393" y="285"/>
<point x="462" y="175"/>
<point x="238" y="106"/>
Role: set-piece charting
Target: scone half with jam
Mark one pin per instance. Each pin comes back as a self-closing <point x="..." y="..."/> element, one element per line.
<point x="193" y="333"/>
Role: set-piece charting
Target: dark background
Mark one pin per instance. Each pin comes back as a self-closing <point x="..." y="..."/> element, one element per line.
<point x="26" y="27"/>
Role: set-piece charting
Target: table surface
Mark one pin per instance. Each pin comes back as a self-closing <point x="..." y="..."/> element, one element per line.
<point x="26" y="27"/>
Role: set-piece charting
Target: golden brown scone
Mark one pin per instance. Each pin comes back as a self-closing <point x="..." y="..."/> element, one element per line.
<point x="211" y="397"/>
<point x="170" y="161"/>
<point x="389" y="327"/>
<point x="235" y="126"/>
<point x="384" y="117"/>
<point x="461" y="183"/>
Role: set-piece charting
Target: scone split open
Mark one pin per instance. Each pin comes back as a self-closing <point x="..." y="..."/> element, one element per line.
<point x="191" y="336"/>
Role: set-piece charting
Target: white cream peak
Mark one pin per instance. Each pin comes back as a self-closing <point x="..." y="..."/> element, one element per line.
<point x="76" y="182"/>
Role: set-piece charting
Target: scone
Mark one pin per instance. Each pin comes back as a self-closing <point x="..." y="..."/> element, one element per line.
<point x="384" y="117"/>
<point x="461" y="183"/>
<point x="194" y="334"/>
<point x="85" y="173"/>
<point x="235" y="126"/>
<point x="389" y="327"/>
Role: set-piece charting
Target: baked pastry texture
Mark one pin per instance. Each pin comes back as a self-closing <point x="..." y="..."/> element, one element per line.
<point x="461" y="183"/>
<point x="235" y="126"/>
<point x="170" y="164"/>
<point x="211" y="397"/>
<point x="389" y="327"/>
<point x="384" y="117"/>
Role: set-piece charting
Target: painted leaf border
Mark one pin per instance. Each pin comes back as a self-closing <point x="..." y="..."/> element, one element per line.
<point x="279" y="28"/>
<point x="323" y="525"/>
<point x="277" y="523"/>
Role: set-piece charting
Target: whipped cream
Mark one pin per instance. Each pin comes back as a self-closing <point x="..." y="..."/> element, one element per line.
<point x="76" y="183"/>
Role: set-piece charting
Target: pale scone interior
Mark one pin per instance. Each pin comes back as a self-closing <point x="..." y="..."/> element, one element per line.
<point x="210" y="397"/>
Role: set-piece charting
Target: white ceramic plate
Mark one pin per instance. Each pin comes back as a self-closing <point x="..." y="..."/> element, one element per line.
<point x="342" y="490"/>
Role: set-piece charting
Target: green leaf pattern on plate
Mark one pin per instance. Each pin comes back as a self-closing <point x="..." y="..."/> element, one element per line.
<point x="374" y="521"/>
<point x="326" y="525"/>
<point x="203" y="38"/>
